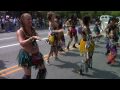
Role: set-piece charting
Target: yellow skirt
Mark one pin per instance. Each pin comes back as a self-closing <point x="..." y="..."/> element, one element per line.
<point x="83" y="49"/>
<point x="51" y="39"/>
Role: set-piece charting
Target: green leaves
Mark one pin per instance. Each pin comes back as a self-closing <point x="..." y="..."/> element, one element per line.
<point x="115" y="13"/>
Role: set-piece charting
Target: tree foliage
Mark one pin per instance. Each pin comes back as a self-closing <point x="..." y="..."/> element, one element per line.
<point x="65" y="14"/>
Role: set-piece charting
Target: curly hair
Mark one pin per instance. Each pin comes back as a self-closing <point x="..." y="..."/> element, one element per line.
<point x="50" y="15"/>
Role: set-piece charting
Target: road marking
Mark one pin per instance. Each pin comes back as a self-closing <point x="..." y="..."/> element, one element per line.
<point x="43" y="33"/>
<point x="15" y="37"/>
<point x="17" y="68"/>
<point x="44" y="38"/>
<point x="14" y="67"/>
<point x="15" y="44"/>
<point x="10" y="45"/>
<point x="19" y="44"/>
<point x="8" y="69"/>
<point x="7" y="38"/>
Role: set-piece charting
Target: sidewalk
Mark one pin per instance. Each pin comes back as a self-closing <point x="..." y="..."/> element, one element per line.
<point x="2" y="31"/>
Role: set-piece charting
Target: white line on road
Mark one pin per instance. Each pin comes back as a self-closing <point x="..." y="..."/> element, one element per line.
<point x="42" y="33"/>
<point x="16" y="44"/>
<point x="44" y="38"/>
<point x="9" y="45"/>
<point x="19" y="44"/>
<point x="7" y="38"/>
<point x="15" y="37"/>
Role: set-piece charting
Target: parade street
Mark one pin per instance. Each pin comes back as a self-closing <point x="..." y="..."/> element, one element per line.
<point x="66" y="67"/>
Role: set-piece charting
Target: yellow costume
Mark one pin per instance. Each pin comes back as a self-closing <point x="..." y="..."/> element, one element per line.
<point x="51" y="39"/>
<point x="83" y="48"/>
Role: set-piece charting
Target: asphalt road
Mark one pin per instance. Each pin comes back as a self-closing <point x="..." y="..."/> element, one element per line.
<point x="66" y="67"/>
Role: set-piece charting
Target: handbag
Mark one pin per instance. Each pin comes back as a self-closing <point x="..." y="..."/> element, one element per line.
<point x="37" y="58"/>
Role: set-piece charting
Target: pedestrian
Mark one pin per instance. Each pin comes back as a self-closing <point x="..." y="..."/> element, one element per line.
<point x="112" y="47"/>
<point x="53" y="36"/>
<point x="72" y="35"/>
<point x="61" y="37"/>
<point x="86" y="43"/>
<point x="97" y="30"/>
<point x="3" y="23"/>
<point x="72" y="32"/>
<point x="7" y="24"/>
<point x="112" y="24"/>
<point x="29" y="54"/>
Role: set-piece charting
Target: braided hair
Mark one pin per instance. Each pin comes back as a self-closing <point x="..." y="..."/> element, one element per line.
<point x="23" y="25"/>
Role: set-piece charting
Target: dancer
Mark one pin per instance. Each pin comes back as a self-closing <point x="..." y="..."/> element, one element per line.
<point x="29" y="54"/>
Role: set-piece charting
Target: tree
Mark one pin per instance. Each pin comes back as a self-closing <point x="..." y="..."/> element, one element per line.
<point x="115" y="13"/>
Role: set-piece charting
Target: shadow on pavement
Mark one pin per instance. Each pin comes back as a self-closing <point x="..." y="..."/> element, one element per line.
<point x="117" y="64"/>
<point x="2" y="65"/>
<point x="101" y="74"/>
<point x="99" y="52"/>
<point x="3" y="77"/>
<point x="67" y="65"/>
<point x="75" y="49"/>
<point x="98" y="46"/>
<point x="98" y="74"/>
<point x="102" y="42"/>
<point x="71" y="54"/>
<point x="118" y="56"/>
